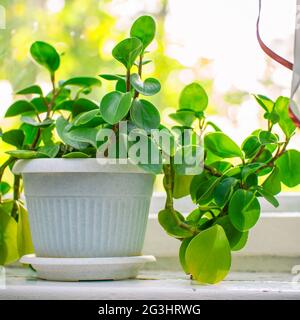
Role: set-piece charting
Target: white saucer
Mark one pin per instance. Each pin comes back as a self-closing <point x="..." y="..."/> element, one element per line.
<point x="76" y="269"/>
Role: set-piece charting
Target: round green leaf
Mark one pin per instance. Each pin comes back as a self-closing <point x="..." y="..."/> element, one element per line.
<point x="224" y="190"/>
<point x="83" y="105"/>
<point x="26" y="154"/>
<point x="114" y="106"/>
<point x="31" y="90"/>
<point x="4" y="188"/>
<point x="170" y="224"/>
<point x="266" y="137"/>
<point x="19" y="107"/>
<point x="45" y="55"/>
<point x="288" y="165"/>
<point x="144" y="115"/>
<point x="193" y="97"/>
<point x="208" y="256"/>
<point x="34" y="123"/>
<point x="251" y="146"/>
<point x="14" y="137"/>
<point x="127" y="51"/>
<point x="181" y="186"/>
<point x="285" y="122"/>
<point x="183" y="117"/>
<point x="182" y="251"/>
<point x="266" y="103"/>
<point x="235" y="237"/>
<point x="85" y="117"/>
<point x="244" y="210"/>
<point x="221" y="145"/>
<point x="144" y="29"/>
<point x="149" y="87"/>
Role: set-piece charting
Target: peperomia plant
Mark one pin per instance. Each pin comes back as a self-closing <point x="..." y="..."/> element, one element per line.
<point x="227" y="191"/>
<point x="66" y="123"/>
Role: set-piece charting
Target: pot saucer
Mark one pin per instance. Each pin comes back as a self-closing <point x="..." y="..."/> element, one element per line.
<point x="76" y="269"/>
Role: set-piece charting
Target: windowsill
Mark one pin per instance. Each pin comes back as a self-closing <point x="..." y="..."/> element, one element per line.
<point x="22" y="284"/>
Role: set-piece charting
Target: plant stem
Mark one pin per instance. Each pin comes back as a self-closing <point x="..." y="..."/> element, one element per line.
<point x="168" y="185"/>
<point x="16" y="196"/>
<point x="213" y="171"/>
<point x="36" y="139"/>
<point x="128" y="80"/>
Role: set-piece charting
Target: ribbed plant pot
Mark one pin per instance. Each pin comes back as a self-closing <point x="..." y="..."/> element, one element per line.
<point x="84" y="209"/>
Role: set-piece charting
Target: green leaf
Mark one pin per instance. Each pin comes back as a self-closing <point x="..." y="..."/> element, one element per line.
<point x="31" y="90"/>
<point x="83" y="105"/>
<point x="112" y="77"/>
<point x="221" y="145"/>
<point x="62" y="128"/>
<point x="182" y="185"/>
<point x="149" y="87"/>
<point x="182" y="251"/>
<point x="244" y="210"/>
<point x="4" y="188"/>
<point x="171" y="224"/>
<point x="288" y="165"/>
<point x="266" y="103"/>
<point x="26" y="154"/>
<point x="82" y="82"/>
<point x="85" y="117"/>
<point x="14" y="137"/>
<point x="24" y="241"/>
<point x="40" y="104"/>
<point x="241" y="244"/>
<point x="208" y="256"/>
<point x="121" y="86"/>
<point x="285" y="122"/>
<point x="30" y="133"/>
<point x="127" y="51"/>
<point x="269" y="197"/>
<point x="183" y="117"/>
<point x="267" y="137"/>
<point x="144" y="29"/>
<point x="144" y="115"/>
<point x="8" y="238"/>
<point x="235" y="237"/>
<point x="86" y="135"/>
<point x="50" y="151"/>
<point x="224" y="190"/>
<point x="74" y="155"/>
<point x="251" y="146"/>
<point x="193" y="97"/>
<point x="32" y="122"/>
<point x="165" y="140"/>
<point x="19" y="107"/>
<point x="114" y="106"/>
<point x="200" y="184"/>
<point x="45" y="55"/>
<point x="273" y="184"/>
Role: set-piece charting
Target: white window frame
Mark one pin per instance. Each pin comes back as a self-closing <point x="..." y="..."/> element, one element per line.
<point x="276" y="234"/>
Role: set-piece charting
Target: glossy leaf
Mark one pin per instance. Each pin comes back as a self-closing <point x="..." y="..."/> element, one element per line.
<point x="266" y="103"/>
<point x="269" y="197"/>
<point x="148" y="87"/>
<point x="114" y="106"/>
<point x="51" y="151"/>
<point x="273" y="184"/>
<point x="127" y="51"/>
<point x="285" y="122"/>
<point x="288" y="165"/>
<point x="26" y="154"/>
<point x="19" y="107"/>
<point x="183" y="117"/>
<point x="244" y="210"/>
<point x="170" y="224"/>
<point x="144" y="29"/>
<point x="4" y="188"/>
<point x="82" y="82"/>
<point x="45" y="55"/>
<point x="83" y="105"/>
<point x="84" y="135"/>
<point x="144" y="115"/>
<point x="221" y="145"/>
<point x="224" y="190"/>
<point x="14" y="137"/>
<point x="193" y="97"/>
<point x="31" y="90"/>
<point x="32" y="122"/>
<point x="251" y="146"/>
<point x="235" y="237"/>
<point x="75" y="155"/>
<point x="24" y="241"/>
<point x="182" y="252"/>
<point x="85" y="117"/>
<point x="182" y="185"/>
<point x="208" y="256"/>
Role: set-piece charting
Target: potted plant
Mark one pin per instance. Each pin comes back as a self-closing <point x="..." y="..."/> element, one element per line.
<point x="227" y="192"/>
<point x="83" y="204"/>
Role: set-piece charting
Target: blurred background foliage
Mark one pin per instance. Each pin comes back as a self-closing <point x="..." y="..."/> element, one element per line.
<point x="212" y="42"/>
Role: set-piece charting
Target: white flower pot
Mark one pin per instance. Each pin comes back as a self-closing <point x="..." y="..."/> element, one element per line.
<point x="80" y="208"/>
